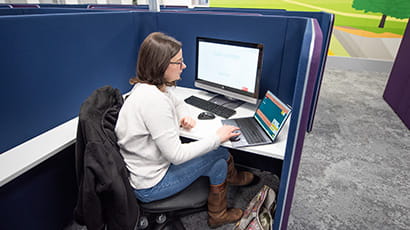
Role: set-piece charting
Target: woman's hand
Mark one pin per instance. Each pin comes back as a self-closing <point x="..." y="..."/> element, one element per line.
<point x="227" y="131"/>
<point x="187" y="122"/>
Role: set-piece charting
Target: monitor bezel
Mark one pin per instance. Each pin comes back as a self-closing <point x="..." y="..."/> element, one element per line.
<point x="226" y="90"/>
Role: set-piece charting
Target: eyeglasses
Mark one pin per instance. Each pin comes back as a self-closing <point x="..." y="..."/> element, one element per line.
<point x="180" y="63"/>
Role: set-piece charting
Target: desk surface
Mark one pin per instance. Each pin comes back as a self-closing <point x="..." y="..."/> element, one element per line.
<point x="204" y="127"/>
<point x="29" y="154"/>
<point x="22" y="158"/>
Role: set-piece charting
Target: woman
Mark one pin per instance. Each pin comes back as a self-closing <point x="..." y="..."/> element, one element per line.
<point x="148" y="135"/>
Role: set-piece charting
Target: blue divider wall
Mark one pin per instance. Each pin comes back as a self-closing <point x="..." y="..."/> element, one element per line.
<point x="294" y="129"/>
<point x="12" y="5"/>
<point x="42" y="198"/>
<point x="302" y="102"/>
<point x="324" y="19"/>
<point x="281" y="37"/>
<point x="52" y="62"/>
<point x="26" y="11"/>
<point x="48" y="59"/>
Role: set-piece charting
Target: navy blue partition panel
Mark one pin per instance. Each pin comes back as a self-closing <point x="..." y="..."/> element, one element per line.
<point x="50" y="64"/>
<point x="280" y="36"/>
<point x="42" y="5"/>
<point x="26" y="11"/>
<point x="325" y="21"/>
<point x="310" y="59"/>
<point x="42" y="198"/>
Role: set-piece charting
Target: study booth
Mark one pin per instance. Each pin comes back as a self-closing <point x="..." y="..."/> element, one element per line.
<point x="51" y="62"/>
<point x="325" y="21"/>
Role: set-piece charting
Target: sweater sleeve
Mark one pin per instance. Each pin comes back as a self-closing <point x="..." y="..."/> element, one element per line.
<point x="181" y="107"/>
<point x="163" y="126"/>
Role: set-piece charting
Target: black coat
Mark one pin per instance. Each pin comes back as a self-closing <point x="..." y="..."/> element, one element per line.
<point x="105" y="195"/>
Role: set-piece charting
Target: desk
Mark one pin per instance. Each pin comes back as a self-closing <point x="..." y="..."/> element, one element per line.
<point x="22" y="158"/>
<point x="29" y="154"/>
<point x="275" y="150"/>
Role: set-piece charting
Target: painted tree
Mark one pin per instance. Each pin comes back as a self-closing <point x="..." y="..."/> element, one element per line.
<point x="394" y="8"/>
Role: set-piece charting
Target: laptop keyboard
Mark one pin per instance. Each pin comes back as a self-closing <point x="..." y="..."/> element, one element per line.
<point x="248" y="130"/>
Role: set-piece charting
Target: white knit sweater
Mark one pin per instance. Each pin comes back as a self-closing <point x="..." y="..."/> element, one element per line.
<point x="148" y="135"/>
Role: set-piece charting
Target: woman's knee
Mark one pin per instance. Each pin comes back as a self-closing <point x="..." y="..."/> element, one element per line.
<point x="218" y="171"/>
<point x="221" y="153"/>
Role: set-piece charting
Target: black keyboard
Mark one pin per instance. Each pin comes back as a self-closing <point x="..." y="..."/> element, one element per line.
<point x="248" y="130"/>
<point x="219" y="110"/>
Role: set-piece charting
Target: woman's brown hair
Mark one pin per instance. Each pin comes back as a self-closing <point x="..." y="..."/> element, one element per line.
<point x="156" y="51"/>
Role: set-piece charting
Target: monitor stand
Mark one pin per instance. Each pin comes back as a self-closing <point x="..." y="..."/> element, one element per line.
<point x="229" y="102"/>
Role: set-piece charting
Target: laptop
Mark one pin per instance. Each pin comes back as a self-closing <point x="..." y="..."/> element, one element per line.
<point x="264" y="126"/>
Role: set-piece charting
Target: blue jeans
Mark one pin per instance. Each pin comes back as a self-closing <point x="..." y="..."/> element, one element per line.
<point x="178" y="177"/>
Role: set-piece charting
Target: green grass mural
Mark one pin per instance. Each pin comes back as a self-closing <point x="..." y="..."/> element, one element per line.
<point x="364" y="21"/>
<point x="345" y="14"/>
<point x="396" y="8"/>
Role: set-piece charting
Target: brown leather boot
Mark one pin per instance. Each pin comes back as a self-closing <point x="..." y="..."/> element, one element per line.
<point x="237" y="178"/>
<point x="218" y="214"/>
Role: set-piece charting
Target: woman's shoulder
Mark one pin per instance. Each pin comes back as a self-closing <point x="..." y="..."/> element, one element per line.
<point x="145" y="89"/>
<point x="146" y="93"/>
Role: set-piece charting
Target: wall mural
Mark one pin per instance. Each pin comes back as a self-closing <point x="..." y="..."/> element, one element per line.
<point x="360" y="25"/>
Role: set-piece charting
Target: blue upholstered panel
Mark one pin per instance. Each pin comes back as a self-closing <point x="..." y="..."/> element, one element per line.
<point x="281" y="42"/>
<point x="297" y="129"/>
<point x="26" y="11"/>
<point x="145" y="23"/>
<point x="305" y="97"/>
<point x="42" y="198"/>
<point x="291" y="59"/>
<point x="324" y="19"/>
<point x="51" y="63"/>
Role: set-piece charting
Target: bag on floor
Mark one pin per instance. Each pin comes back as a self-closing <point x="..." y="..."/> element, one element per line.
<point x="260" y="211"/>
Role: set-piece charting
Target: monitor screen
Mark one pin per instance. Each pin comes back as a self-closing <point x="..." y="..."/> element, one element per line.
<point x="229" y="68"/>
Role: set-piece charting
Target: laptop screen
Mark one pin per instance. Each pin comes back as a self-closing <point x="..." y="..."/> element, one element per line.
<point x="272" y="114"/>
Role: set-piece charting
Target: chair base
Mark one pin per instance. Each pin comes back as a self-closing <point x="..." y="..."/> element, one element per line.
<point x="168" y="221"/>
<point x="166" y="213"/>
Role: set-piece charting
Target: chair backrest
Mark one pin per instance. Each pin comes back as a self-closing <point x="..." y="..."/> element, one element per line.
<point x="105" y="195"/>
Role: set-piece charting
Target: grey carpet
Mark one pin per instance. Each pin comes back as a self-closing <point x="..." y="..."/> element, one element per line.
<point x="355" y="166"/>
<point x="238" y="197"/>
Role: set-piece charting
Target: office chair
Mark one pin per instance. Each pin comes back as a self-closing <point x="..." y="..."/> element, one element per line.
<point x="106" y="199"/>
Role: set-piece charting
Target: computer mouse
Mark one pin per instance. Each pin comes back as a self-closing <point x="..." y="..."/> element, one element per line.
<point x="235" y="138"/>
<point x="206" y="116"/>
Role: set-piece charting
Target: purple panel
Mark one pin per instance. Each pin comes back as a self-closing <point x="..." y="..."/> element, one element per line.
<point x="397" y="93"/>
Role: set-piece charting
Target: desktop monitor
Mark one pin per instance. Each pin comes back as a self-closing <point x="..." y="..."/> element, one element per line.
<point x="229" y="68"/>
